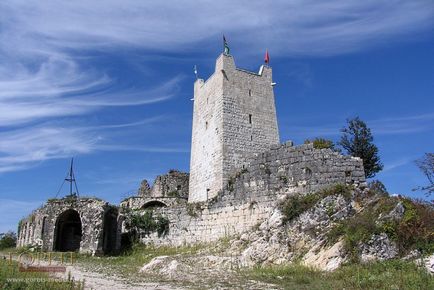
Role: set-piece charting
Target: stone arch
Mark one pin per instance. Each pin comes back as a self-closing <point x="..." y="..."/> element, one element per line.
<point x="68" y="231"/>
<point x="153" y="203"/>
<point x="110" y="231"/>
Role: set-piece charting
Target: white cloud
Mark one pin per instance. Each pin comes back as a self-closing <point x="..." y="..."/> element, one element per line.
<point x="383" y="126"/>
<point x="59" y="88"/>
<point x="391" y="165"/>
<point x="288" y="27"/>
<point x="24" y="148"/>
<point x="47" y="50"/>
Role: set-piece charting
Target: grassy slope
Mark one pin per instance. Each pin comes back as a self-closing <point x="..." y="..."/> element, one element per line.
<point x="394" y="274"/>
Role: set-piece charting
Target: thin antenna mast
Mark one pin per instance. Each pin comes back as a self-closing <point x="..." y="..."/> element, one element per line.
<point x="70" y="177"/>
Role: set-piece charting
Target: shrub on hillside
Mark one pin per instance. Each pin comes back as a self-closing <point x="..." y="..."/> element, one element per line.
<point x="414" y="231"/>
<point x="8" y="240"/>
<point x="296" y="204"/>
<point x="377" y="187"/>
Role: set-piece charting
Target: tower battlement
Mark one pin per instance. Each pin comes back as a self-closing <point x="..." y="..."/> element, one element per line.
<point x="234" y="116"/>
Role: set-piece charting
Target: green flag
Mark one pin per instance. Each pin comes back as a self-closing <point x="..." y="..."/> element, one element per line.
<point x="226" y="46"/>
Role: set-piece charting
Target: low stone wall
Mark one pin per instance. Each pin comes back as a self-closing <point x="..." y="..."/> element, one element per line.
<point x="254" y="191"/>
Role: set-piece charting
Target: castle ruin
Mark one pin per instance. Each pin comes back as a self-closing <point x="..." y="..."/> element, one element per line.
<point x="239" y="172"/>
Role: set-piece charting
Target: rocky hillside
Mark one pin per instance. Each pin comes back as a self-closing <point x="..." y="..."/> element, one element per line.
<point x="337" y="225"/>
<point x="328" y="228"/>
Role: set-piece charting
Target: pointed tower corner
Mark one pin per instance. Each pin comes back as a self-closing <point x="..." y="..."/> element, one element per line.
<point x="225" y="62"/>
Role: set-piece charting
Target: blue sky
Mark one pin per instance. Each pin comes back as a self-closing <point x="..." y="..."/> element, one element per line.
<point x="110" y="83"/>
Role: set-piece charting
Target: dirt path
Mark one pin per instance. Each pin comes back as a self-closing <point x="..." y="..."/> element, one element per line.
<point x="96" y="281"/>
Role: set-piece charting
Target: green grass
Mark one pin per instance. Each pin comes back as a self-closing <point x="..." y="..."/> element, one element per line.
<point x="11" y="278"/>
<point x="394" y="274"/>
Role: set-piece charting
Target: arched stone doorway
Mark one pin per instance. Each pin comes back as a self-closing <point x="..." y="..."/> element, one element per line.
<point x="110" y="231"/>
<point x="153" y="204"/>
<point x="68" y="231"/>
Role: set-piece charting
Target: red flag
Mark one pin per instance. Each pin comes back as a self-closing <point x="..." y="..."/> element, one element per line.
<point x="267" y="57"/>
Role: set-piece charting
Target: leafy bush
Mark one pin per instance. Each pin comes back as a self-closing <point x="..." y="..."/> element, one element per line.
<point x="173" y="193"/>
<point x="359" y="230"/>
<point x="146" y="223"/>
<point x="8" y="240"/>
<point x="162" y="226"/>
<point x="415" y="231"/>
<point x="295" y="205"/>
<point x="321" y="143"/>
<point x="377" y="187"/>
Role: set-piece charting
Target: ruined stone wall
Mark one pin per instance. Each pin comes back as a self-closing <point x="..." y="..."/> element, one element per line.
<point x="168" y="190"/>
<point x="250" y="194"/>
<point x="39" y="228"/>
<point x="234" y="116"/>
<point x="172" y="184"/>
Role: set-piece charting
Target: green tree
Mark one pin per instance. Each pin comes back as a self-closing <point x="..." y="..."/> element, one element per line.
<point x="8" y="240"/>
<point x="357" y="140"/>
<point x="426" y="165"/>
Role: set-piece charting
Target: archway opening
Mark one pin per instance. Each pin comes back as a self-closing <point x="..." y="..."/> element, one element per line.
<point x="153" y="204"/>
<point x="68" y="231"/>
<point x="110" y="231"/>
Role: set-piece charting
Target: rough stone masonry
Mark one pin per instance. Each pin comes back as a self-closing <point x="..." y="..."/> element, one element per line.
<point x="238" y="174"/>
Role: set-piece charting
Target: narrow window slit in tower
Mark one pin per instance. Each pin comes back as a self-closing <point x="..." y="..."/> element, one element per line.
<point x="250" y="93"/>
<point x="251" y="137"/>
<point x="250" y="118"/>
<point x="206" y="125"/>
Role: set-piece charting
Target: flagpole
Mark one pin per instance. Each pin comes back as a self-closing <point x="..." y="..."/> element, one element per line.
<point x="195" y="72"/>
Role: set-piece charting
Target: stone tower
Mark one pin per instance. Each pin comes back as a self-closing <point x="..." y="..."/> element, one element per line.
<point x="234" y="116"/>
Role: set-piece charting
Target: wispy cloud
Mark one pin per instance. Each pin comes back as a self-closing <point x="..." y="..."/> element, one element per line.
<point x="59" y="88"/>
<point x="403" y="125"/>
<point x="383" y="126"/>
<point x="390" y="165"/>
<point x="48" y="48"/>
<point x="24" y="148"/>
<point x="301" y="27"/>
